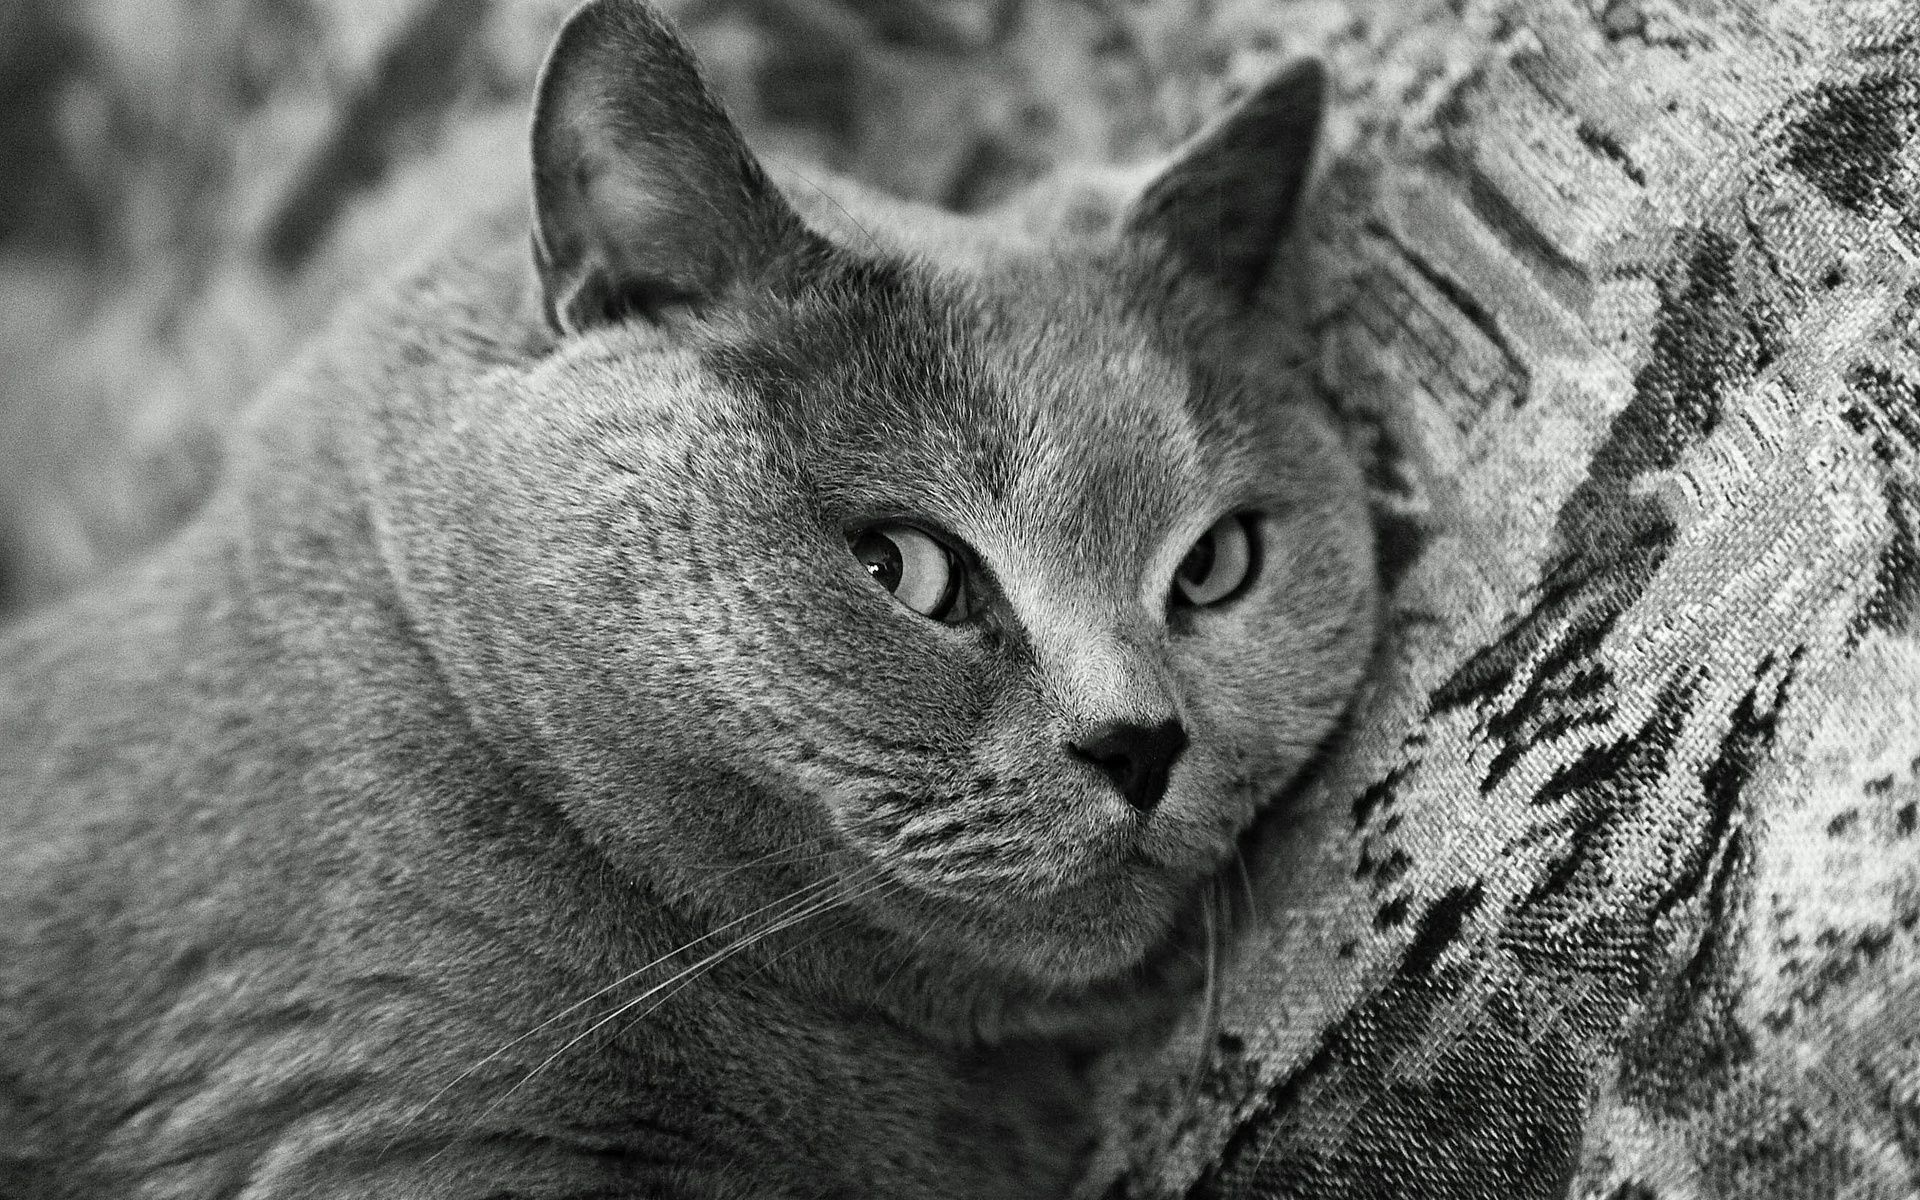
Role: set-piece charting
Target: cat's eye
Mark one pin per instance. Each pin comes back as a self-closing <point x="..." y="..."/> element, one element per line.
<point x="920" y="572"/>
<point x="1219" y="565"/>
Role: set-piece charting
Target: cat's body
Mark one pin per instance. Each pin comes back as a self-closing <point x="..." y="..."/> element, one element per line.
<point x="518" y="687"/>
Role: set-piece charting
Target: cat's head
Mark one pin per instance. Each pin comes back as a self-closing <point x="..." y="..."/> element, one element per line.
<point x="923" y="554"/>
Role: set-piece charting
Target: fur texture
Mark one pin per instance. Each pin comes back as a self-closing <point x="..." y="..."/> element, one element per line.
<point x="512" y="785"/>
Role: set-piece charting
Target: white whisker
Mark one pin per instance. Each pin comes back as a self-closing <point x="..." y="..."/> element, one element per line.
<point x="1246" y="882"/>
<point x="828" y="197"/>
<point x="816" y="886"/>
<point x="786" y="921"/>
<point x="1213" y="919"/>
<point x="693" y="974"/>
<point x="787" y="857"/>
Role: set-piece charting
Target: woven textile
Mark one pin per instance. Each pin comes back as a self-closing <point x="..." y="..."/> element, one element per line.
<point x="1612" y="890"/>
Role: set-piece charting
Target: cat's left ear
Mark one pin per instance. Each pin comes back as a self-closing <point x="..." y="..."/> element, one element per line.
<point x="1224" y="204"/>
<point x="647" y="201"/>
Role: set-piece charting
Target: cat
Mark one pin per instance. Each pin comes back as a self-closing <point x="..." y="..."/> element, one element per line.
<point x="745" y="707"/>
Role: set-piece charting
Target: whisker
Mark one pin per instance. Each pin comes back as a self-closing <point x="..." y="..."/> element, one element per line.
<point x="787" y="921"/>
<point x="828" y="197"/>
<point x="816" y="935"/>
<point x="1213" y="918"/>
<point x="787" y="857"/>
<point x="1246" y="882"/>
<point x="777" y="857"/>
<point x="792" y="853"/>
<point x="919" y="940"/>
<point x="845" y="920"/>
<point x="815" y="886"/>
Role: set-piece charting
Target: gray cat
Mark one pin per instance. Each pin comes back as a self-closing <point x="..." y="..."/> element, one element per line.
<point x="743" y="709"/>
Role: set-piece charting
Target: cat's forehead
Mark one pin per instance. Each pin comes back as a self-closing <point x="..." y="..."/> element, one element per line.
<point x="1029" y="395"/>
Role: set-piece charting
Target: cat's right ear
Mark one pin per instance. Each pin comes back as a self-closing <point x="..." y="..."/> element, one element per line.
<point x="1228" y="198"/>
<point x="647" y="201"/>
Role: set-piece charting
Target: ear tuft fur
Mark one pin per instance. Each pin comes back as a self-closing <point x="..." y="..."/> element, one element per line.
<point x="1229" y="197"/>
<point x="647" y="200"/>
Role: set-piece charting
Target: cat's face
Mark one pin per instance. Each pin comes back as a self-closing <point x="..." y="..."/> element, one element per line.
<point x="974" y="578"/>
<point x="909" y="547"/>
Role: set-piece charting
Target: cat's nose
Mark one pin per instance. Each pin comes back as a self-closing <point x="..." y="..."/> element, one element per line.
<point x="1136" y="757"/>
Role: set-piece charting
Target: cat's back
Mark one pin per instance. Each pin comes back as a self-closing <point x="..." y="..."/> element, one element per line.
<point x="112" y="715"/>
<point x="216" y="862"/>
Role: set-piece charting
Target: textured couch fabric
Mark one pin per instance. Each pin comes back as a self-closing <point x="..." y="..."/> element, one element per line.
<point x="1612" y="890"/>
<point x="1611" y="887"/>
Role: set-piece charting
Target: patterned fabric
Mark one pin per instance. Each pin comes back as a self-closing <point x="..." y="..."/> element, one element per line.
<point x="1612" y="890"/>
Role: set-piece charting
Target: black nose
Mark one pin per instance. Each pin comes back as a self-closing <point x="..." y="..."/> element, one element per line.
<point x="1136" y="757"/>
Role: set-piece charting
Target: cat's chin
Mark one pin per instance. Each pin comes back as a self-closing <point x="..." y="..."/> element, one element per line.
<point x="1118" y="931"/>
<point x="1127" y="976"/>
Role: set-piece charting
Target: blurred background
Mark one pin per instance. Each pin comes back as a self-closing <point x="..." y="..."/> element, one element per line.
<point x="188" y="187"/>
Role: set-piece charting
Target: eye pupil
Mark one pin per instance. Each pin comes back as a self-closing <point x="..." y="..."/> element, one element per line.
<point x="878" y="553"/>
<point x="1199" y="561"/>
<point x="919" y="571"/>
<point x="1218" y="566"/>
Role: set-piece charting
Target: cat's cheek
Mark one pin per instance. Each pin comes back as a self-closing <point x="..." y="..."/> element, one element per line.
<point x="1276" y="678"/>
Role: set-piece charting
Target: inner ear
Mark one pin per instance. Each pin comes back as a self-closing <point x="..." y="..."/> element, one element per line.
<point x="1224" y="204"/>
<point x="647" y="201"/>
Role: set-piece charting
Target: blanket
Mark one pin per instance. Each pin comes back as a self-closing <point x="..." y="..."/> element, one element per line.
<point x="1612" y="889"/>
